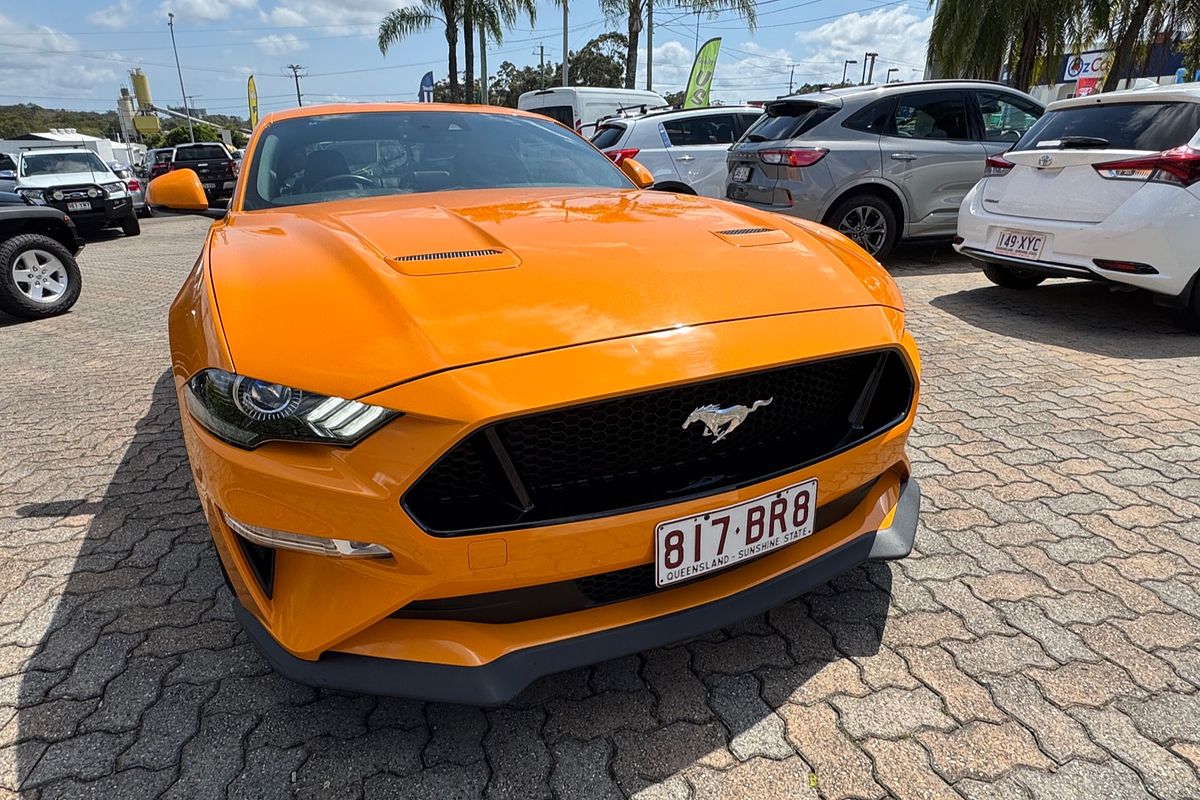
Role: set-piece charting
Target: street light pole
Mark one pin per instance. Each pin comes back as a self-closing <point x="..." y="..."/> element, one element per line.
<point x="888" y="77"/>
<point x="178" y="69"/>
<point x="845" y="67"/>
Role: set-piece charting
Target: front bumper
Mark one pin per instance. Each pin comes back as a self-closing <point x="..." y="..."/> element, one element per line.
<point x="503" y="678"/>
<point x="103" y="212"/>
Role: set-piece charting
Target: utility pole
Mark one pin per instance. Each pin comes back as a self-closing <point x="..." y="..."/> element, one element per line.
<point x="871" y="71"/>
<point x="182" y="91"/>
<point x="566" y="62"/>
<point x="542" y="65"/>
<point x="295" y="68"/>
<point x="650" y="45"/>
<point x="845" y="67"/>
<point x="863" y="79"/>
<point x="791" y="78"/>
<point x="483" y="87"/>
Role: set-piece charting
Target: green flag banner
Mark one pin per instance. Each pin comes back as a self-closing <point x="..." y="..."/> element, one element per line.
<point x="702" y="74"/>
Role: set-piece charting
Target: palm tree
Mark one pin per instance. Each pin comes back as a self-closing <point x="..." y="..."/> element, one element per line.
<point x="403" y="22"/>
<point x="633" y="11"/>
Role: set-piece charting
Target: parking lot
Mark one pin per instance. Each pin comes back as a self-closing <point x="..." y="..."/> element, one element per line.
<point x="1043" y="642"/>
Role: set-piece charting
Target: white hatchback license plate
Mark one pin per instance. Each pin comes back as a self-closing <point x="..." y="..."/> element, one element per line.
<point x="210" y="186"/>
<point x="79" y="206"/>
<point x="741" y="174"/>
<point x="693" y="546"/>
<point x="1020" y="243"/>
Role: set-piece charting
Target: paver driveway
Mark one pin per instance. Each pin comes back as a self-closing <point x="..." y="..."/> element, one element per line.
<point x="1044" y="642"/>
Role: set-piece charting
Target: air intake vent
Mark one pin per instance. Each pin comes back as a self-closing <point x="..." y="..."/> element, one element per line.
<point x="450" y="254"/>
<point x="745" y="231"/>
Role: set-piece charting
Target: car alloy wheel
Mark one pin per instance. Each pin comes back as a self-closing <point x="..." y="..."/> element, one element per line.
<point x="866" y="226"/>
<point x="40" y="276"/>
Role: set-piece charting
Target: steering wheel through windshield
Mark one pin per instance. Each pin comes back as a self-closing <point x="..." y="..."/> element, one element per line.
<point x="343" y="181"/>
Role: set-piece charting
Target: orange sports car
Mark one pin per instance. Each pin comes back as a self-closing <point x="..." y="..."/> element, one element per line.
<point x="467" y="404"/>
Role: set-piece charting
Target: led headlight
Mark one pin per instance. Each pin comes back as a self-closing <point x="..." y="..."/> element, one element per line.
<point x="113" y="188"/>
<point x="247" y="412"/>
<point x="35" y="196"/>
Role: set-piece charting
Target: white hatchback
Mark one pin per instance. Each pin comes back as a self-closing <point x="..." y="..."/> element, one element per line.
<point x="1104" y="187"/>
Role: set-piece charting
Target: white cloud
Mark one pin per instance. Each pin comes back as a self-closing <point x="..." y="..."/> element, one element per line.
<point x="207" y="10"/>
<point x="899" y="36"/>
<point x="354" y="15"/>
<point x="280" y="44"/>
<point x="114" y="17"/>
<point x="61" y="67"/>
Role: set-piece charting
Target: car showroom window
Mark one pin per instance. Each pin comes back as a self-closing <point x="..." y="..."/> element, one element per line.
<point x="1006" y="117"/>
<point x="1150" y="126"/>
<point x="712" y="129"/>
<point x="930" y="115"/>
<point x="316" y="159"/>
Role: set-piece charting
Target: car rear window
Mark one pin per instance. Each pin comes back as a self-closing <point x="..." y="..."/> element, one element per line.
<point x="1126" y="126"/>
<point x="788" y="120"/>
<point x="608" y="136"/>
<point x="198" y="152"/>
<point x="564" y="114"/>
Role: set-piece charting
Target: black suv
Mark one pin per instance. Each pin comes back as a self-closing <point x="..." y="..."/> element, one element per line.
<point x="38" y="244"/>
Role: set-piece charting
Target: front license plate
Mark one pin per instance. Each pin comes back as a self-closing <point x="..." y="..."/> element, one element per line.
<point x="1020" y="243"/>
<point x="79" y="206"/>
<point x="210" y="186"/>
<point x="741" y="174"/>
<point x="693" y="546"/>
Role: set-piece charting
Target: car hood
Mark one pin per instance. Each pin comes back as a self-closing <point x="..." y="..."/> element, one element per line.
<point x="351" y="296"/>
<point x="66" y="179"/>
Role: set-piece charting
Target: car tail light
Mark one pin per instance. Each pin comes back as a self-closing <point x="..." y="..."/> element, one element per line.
<point x="133" y="184"/>
<point x="233" y="167"/>
<point x="620" y="155"/>
<point x="1132" y="267"/>
<point x="996" y="165"/>
<point x="1178" y="167"/>
<point x="793" y="157"/>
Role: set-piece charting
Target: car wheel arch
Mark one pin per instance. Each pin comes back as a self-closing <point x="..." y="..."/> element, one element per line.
<point x="883" y="191"/>
<point x="677" y="187"/>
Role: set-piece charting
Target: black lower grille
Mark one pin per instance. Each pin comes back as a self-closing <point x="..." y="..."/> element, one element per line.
<point x="635" y="451"/>
<point x="562" y="597"/>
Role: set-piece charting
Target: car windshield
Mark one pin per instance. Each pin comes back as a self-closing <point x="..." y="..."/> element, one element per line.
<point x="61" y="163"/>
<point x="320" y="158"/>
<point x="1117" y="126"/>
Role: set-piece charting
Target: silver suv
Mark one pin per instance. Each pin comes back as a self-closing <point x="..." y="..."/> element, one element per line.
<point x="878" y="163"/>
<point x="685" y="150"/>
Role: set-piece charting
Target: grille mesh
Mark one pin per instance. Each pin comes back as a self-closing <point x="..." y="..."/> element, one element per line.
<point x="633" y="452"/>
<point x="449" y="254"/>
<point x="745" y="231"/>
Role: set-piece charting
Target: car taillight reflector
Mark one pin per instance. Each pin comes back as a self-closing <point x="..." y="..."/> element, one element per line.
<point x="996" y="165"/>
<point x="133" y="184"/>
<point x="620" y="155"/>
<point x="793" y="157"/>
<point x="1132" y="267"/>
<point x="1178" y="167"/>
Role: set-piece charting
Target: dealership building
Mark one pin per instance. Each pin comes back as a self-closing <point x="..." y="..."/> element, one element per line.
<point x="1084" y="73"/>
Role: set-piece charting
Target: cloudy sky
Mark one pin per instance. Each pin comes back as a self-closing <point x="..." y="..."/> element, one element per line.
<point x="73" y="54"/>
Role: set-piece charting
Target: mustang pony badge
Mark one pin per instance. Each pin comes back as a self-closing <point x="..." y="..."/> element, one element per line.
<point x="720" y="422"/>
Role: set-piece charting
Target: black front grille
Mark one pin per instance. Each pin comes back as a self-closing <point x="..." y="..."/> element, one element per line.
<point x="633" y="452"/>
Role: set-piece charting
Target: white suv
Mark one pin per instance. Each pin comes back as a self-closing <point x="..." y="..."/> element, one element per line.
<point x="685" y="150"/>
<point x="1104" y="187"/>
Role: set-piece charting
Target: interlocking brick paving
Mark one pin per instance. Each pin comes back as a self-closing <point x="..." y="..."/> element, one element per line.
<point x="1044" y="642"/>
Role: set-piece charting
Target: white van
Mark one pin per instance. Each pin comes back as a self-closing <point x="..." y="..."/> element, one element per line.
<point x="581" y="107"/>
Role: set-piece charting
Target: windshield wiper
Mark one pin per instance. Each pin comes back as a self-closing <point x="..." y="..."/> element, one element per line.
<point x="1082" y="142"/>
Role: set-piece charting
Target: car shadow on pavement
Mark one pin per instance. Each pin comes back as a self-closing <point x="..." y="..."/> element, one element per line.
<point x="1080" y="315"/>
<point x="138" y="681"/>
<point x="927" y="258"/>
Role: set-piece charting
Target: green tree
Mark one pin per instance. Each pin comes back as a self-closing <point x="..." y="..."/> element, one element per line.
<point x="634" y="11"/>
<point x="598" y="63"/>
<point x="202" y="131"/>
<point x="401" y="23"/>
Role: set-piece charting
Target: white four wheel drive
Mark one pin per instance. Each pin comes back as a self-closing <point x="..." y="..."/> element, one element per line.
<point x="1104" y="187"/>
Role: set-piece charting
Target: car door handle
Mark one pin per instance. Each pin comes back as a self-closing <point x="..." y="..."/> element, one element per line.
<point x="904" y="156"/>
<point x="685" y="158"/>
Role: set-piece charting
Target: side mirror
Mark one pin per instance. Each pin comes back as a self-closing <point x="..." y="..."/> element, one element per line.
<point x="177" y="191"/>
<point x="641" y="176"/>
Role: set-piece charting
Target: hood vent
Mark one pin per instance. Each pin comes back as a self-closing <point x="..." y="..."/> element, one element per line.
<point x="449" y="254"/>
<point x="745" y="231"/>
